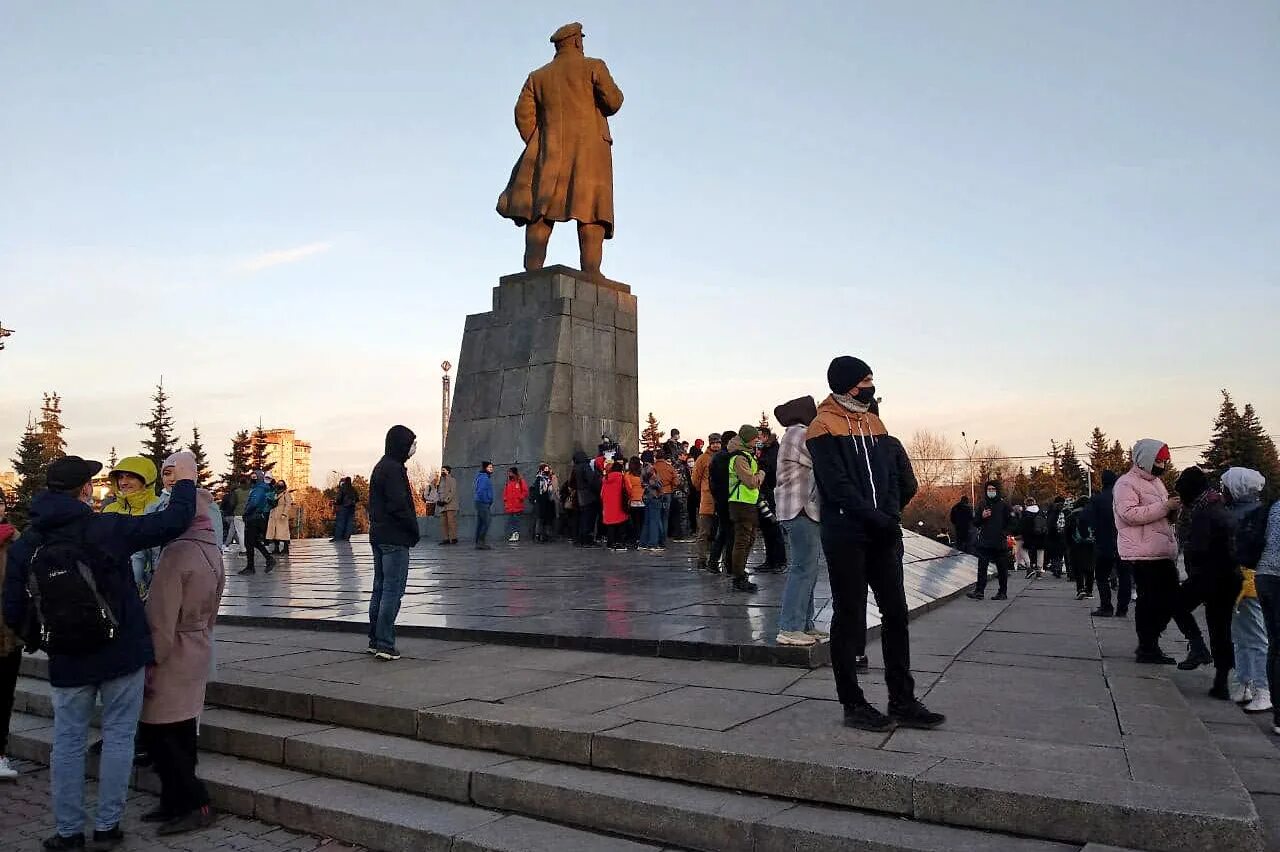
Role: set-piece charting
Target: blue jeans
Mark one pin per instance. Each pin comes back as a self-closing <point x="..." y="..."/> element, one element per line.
<point x="72" y="711"/>
<point x="803" y="540"/>
<point x="651" y="534"/>
<point x="1249" y="635"/>
<point x="482" y="521"/>
<point x="342" y="523"/>
<point x="390" y="573"/>
<point x="664" y="518"/>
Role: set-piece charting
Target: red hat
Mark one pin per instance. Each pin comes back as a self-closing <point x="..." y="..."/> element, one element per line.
<point x="1164" y="455"/>
<point x="698" y="443"/>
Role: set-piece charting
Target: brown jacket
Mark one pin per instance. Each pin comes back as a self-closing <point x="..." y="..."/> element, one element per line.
<point x="702" y="482"/>
<point x="666" y="474"/>
<point x="181" y="610"/>
<point x="447" y="500"/>
<point x="566" y="170"/>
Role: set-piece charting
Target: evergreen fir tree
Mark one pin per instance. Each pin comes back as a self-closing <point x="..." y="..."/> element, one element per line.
<point x="238" y="459"/>
<point x="113" y="460"/>
<point x="651" y="437"/>
<point x="50" y="428"/>
<point x="1119" y="460"/>
<point x="1228" y="440"/>
<point x="161" y="441"/>
<point x="764" y="422"/>
<point x="1073" y="473"/>
<point x="204" y="476"/>
<point x="1099" y="453"/>
<point x="258" y="450"/>
<point x="30" y="466"/>
<point x="1260" y="449"/>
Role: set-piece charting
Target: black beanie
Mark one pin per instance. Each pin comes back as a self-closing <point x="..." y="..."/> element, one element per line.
<point x="1191" y="484"/>
<point x="845" y="372"/>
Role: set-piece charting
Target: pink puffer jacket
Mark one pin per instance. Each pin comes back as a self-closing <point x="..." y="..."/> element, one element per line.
<point x="1143" y="531"/>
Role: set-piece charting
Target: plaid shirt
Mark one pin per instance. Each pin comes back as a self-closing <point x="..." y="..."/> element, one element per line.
<point x="797" y="490"/>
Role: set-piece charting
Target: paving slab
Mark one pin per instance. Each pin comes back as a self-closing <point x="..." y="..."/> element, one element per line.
<point x="521" y="834"/>
<point x="700" y="707"/>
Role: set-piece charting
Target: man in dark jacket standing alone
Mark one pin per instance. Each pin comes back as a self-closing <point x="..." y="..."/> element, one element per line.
<point x="962" y="523"/>
<point x="864" y="486"/>
<point x="995" y="523"/>
<point x="1101" y="515"/>
<point x="393" y="529"/>
<point x="115" y="672"/>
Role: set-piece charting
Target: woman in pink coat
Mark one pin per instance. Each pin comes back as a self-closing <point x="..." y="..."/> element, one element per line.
<point x="181" y="609"/>
<point x="1145" y="539"/>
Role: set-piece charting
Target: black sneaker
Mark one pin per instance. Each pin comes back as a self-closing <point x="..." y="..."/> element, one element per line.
<point x="1153" y="657"/>
<point x="975" y="596"/>
<point x="194" y="821"/>
<point x="387" y="655"/>
<point x="742" y="584"/>
<point x="1103" y="612"/>
<point x="864" y="717"/>
<point x="245" y="571"/>
<point x="271" y="566"/>
<point x="1122" y="613"/>
<point x="57" y="841"/>
<point x="1219" y="690"/>
<point x="861" y="663"/>
<point x="109" y="839"/>
<point x="157" y="815"/>
<point x="1000" y="596"/>
<point x="1196" y="657"/>
<point x="915" y="715"/>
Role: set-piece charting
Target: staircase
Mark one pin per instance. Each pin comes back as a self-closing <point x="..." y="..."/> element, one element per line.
<point x="483" y="776"/>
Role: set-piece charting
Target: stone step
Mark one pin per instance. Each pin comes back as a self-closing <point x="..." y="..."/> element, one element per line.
<point x="929" y="789"/>
<point x="373" y="817"/>
<point x="552" y="796"/>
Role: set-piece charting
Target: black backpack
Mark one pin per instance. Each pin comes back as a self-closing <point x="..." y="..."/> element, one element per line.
<point x="1040" y="523"/>
<point x="75" y="606"/>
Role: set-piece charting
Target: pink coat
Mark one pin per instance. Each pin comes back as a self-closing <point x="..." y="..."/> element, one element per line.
<point x="1143" y="531"/>
<point x="181" y="609"/>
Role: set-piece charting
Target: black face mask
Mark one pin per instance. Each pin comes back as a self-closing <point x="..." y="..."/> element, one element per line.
<point x="866" y="395"/>
<point x="1158" y="470"/>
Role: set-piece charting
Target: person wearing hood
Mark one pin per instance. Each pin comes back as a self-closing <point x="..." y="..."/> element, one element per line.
<point x="278" y="522"/>
<point x="10" y="651"/>
<point x="864" y="482"/>
<point x="447" y="506"/>
<point x="1055" y="543"/>
<point x="995" y="521"/>
<point x="1145" y="540"/>
<point x="585" y="480"/>
<point x="482" y="499"/>
<point x="393" y="530"/>
<point x="962" y="523"/>
<point x="181" y="611"/>
<point x="344" y="510"/>
<point x="1205" y="532"/>
<point x="1034" y="528"/>
<point x="546" y="491"/>
<point x="795" y="496"/>
<point x="745" y="479"/>
<point x="113" y="672"/>
<point x="1080" y="547"/>
<point x="1101" y="514"/>
<point x="514" y="495"/>
<point x="1242" y="487"/>
<point x="133" y="487"/>
<point x="257" y="511"/>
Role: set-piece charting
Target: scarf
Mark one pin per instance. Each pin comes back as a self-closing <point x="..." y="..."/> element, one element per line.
<point x="850" y="403"/>
<point x="1206" y="497"/>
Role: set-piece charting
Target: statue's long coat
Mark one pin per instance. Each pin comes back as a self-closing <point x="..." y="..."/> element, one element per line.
<point x="566" y="170"/>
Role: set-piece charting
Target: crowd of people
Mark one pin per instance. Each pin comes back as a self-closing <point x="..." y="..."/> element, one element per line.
<point x="1130" y="536"/>
<point x="123" y="601"/>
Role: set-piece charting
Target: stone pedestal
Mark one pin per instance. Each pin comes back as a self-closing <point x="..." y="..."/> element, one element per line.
<point x="548" y="371"/>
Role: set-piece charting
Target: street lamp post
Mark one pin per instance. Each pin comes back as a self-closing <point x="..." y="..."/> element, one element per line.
<point x="969" y="450"/>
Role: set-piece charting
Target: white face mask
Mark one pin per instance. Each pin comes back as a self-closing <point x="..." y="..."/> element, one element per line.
<point x="1033" y="509"/>
<point x="413" y="448"/>
<point x="991" y="495"/>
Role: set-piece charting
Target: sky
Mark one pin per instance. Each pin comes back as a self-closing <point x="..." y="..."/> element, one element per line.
<point x="1028" y="218"/>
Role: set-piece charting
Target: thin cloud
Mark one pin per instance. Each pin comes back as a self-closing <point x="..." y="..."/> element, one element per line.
<point x="266" y="260"/>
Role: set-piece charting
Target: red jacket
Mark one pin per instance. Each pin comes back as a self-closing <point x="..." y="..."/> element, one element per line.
<point x="514" y="495"/>
<point x="611" y="498"/>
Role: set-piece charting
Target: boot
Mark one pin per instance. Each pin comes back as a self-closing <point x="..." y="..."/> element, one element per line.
<point x="1198" y="655"/>
<point x="1219" y="688"/>
<point x="1153" y="656"/>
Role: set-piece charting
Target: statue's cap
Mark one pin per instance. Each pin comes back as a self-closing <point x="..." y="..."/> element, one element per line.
<point x="567" y="31"/>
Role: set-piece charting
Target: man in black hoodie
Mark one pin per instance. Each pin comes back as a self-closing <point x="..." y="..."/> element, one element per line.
<point x="393" y="529"/>
<point x="995" y="522"/>
<point x="586" y="491"/>
<point x="1101" y="516"/>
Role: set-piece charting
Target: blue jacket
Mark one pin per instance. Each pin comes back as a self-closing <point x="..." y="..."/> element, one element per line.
<point x="484" y="488"/>
<point x="117" y="536"/>
<point x="262" y="499"/>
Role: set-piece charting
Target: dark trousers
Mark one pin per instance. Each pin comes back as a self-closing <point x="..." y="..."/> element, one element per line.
<point x="9" y="665"/>
<point x="1053" y="555"/>
<point x="483" y="511"/>
<point x="617" y="534"/>
<point x="1269" y="599"/>
<point x="173" y="751"/>
<point x="1158" y="604"/>
<point x="1218" y="597"/>
<point x="343" y="523"/>
<point x="853" y="565"/>
<point x="962" y="539"/>
<point x="1003" y="561"/>
<point x="775" y="546"/>
<point x="1082" y="565"/>
<point x="637" y="525"/>
<point x="255" y="535"/>
<point x="1103" y="566"/>
<point x="723" y="544"/>
<point x="1033" y="554"/>
<point x="587" y="523"/>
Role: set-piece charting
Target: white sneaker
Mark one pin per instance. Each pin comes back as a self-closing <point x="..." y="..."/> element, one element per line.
<point x="1240" y="693"/>
<point x="1261" y="702"/>
<point x="7" y="772"/>
<point x="514" y="537"/>
<point x="820" y="635"/>
<point x="795" y="637"/>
